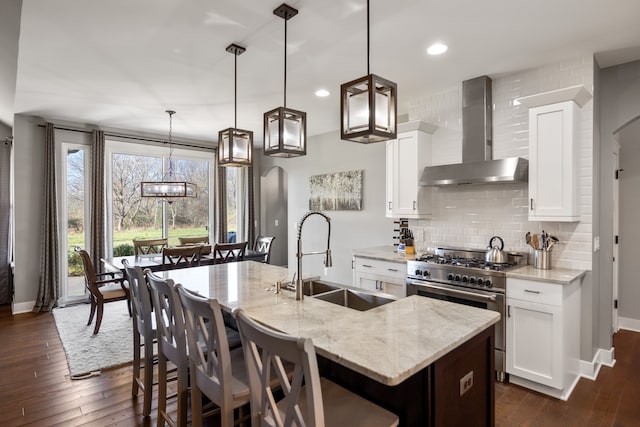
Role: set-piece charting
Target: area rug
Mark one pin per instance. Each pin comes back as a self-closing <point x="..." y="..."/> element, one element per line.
<point x="86" y="353"/>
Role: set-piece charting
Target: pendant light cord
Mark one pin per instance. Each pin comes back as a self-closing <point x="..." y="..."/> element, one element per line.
<point x="171" y="113"/>
<point x="368" y="71"/>
<point x="285" y="62"/>
<point x="235" y="90"/>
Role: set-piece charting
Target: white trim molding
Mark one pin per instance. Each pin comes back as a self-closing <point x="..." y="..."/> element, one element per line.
<point x="22" y="307"/>
<point x="590" y="370"/>
<point x="629" y="324"/>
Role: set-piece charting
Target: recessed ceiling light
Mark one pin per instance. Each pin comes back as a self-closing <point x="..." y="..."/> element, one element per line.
<point x="437" y="49"/>
<point x="322" y="93"/>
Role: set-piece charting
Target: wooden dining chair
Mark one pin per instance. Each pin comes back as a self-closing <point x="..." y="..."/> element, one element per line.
<point x="103" y="288"/>
<point x="229" y="252"/>
<point x="144" y="326"/>
<point x="148" y="246"/>
<point x="215" y="371"/>
<point x="204" y="240"/>
<point x="181" y="256"/>
<point x="308" y="400"/>
<point x="262" y="244"/>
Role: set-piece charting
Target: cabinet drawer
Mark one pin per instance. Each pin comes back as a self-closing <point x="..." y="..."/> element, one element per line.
<point x="533" y="291"/>
<point x="381" y="268"/>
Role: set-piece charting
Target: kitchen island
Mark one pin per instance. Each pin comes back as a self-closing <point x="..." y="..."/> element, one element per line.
<point x="429" y="361"/>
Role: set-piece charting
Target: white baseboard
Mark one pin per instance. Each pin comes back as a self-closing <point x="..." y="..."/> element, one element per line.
<point x="549" y="391"/>
<point x="22" y="307"/>
<point x="590" y="370"/>
<point x="629" y="324"/>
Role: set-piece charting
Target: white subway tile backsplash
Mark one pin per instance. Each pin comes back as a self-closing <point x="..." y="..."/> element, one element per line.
<point x="469" y="216"/>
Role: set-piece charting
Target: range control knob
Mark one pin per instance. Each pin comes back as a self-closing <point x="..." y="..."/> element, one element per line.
<point x="480" y="281"/>
<point x="465" y="279"/>
<point x="426" y="273"/>
<point x="472" y="280"/>
<point x="457" y="278"/>
<point x="450" y="276"/>
<point x="487" y="283"/>
<point x="418" y="273"/>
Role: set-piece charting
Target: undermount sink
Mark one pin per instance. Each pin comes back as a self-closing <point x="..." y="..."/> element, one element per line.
<point x="356" y="300"/>
<point x="315" y="287"/>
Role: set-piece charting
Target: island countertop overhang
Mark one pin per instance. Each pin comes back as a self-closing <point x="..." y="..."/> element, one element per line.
<point x="388" y="343"/>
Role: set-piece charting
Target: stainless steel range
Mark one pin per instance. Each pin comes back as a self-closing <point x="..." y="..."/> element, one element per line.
<point x="462" y="276"/>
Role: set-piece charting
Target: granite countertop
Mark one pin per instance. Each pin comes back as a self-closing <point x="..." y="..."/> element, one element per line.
<point x="555" y="275"/>
<point x="383" y="253"/>
<point x="388" y="343"/>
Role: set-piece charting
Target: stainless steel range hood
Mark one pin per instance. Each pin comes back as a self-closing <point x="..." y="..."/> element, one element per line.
<point x="477" y="166"/>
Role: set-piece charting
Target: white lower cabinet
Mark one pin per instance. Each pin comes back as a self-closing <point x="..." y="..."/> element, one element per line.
<point x="543" y="335"/>
<point x="382" y="276"/>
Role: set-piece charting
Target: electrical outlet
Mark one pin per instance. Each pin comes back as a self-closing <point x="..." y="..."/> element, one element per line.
<point x="466" y="383"/>
<point x="596" y="244"/>
<point x="276" y="222"/>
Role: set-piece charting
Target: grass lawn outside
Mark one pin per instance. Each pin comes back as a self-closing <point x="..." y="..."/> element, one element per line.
<point x="126" y="236"/>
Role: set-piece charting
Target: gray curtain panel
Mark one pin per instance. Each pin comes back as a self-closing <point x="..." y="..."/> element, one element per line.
<point x="97" y="234"/>
<point x="251" y="229"/>
<point x="6" y="290"/>
<point x="49" y="285"/>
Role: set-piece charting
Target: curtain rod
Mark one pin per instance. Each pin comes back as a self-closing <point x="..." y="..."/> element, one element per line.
<point x="138" y="138"/>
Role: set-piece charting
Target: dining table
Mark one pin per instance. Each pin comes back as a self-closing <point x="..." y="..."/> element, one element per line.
<point x="154" y="261"/>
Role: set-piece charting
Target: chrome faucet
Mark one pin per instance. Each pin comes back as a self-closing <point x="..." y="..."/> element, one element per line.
<point x="299" y="254"/>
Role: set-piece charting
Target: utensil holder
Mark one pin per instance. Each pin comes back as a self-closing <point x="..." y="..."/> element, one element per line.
<point x="542" y="259"/>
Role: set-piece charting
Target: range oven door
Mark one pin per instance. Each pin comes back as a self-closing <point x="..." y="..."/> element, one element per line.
<point x="476" y="298"/>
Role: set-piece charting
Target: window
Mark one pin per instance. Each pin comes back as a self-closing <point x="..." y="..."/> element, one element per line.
<point x="131" y="216"/>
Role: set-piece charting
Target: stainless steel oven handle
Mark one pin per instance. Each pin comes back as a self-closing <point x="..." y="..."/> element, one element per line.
<point x="455" y="291"/>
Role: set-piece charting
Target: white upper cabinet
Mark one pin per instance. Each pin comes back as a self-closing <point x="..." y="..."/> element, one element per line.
<point x="554" y="142"/>
<point x="407" y="157"/>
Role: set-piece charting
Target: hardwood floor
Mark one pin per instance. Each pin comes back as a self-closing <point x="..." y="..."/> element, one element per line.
<point x="35" y="388"/>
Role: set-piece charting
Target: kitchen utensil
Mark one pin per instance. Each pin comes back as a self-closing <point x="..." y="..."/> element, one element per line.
<point x="543" y="238"/>
<point x="527" y="238"/>
<point x="535" y="242"/>
<point x="552" y="241"/>
<point x="496" y="254"/>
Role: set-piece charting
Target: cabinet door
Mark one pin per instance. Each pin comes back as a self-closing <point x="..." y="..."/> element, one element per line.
<point x="392" y="286"/>
<point x="367" y="281"/>
<point x="405" y="183"/>
<point x="553" y="162"/>
<point x="389" y="179"/>
<point x="534" y="342"/>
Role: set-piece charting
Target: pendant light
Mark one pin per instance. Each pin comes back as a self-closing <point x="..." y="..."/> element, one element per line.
<point x="285" y="129"/>
<point x="169" y="187"/>
<point x="235" y="145"/>
<point x="368" y="106"/>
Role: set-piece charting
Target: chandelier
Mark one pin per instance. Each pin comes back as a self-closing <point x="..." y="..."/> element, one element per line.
<point x="170" y="186"/>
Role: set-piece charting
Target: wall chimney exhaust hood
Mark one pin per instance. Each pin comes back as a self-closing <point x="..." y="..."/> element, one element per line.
<point x="477" y="166"/>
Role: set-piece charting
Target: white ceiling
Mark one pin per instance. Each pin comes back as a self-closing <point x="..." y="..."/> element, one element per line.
<point x="121" y="63"/>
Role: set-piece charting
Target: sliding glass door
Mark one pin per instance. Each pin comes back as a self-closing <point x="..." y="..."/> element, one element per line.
<point x="74" y="209"/>
<point x="131" y="216"/>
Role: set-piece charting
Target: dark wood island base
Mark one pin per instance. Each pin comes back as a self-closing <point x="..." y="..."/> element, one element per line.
<point x="434" y="396"/>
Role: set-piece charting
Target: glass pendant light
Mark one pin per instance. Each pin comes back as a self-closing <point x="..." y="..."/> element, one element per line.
<point x="368" y="106"/>
<point x="285" y="129"/>
<point x="235" y="145"/>
<point x="170" y="187"/>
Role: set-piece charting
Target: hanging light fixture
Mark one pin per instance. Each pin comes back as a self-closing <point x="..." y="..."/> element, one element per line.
<point x="235" y="145"/>
<point x="368" y="106"/>
<point x="170" y="187"/>
<point x="285" y="129"/>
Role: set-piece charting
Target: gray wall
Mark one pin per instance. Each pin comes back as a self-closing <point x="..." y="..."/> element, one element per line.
<point x="349" y="229"/>
<point x="9" y="35"/>
<point x="619" y="103"/>
<point x="28" y="146"/>
<point x="273" y="212"/>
